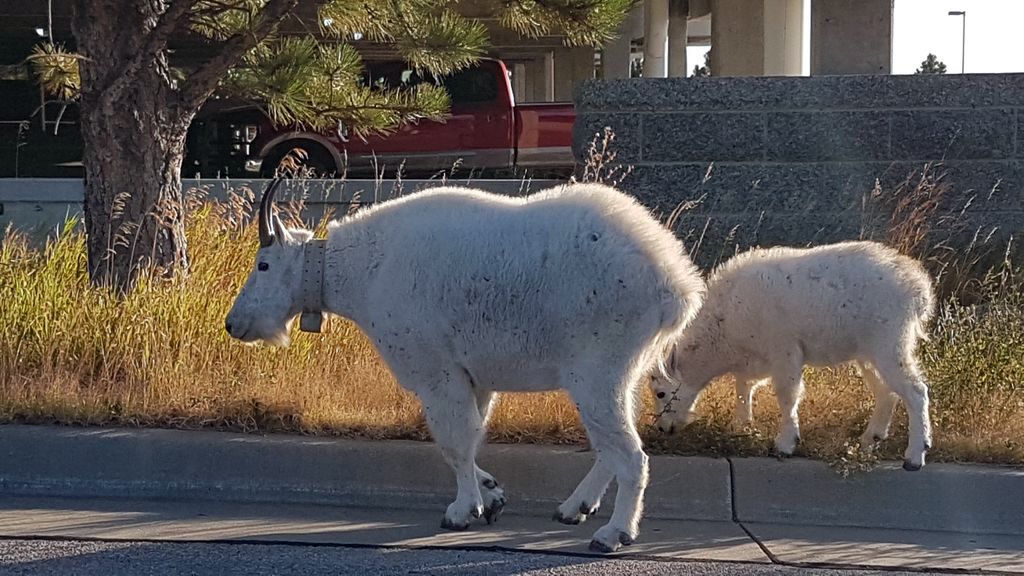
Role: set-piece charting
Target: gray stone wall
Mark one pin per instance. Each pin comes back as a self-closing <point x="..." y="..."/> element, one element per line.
<point x="792" y="160"/>
<point x="39" y="207"/>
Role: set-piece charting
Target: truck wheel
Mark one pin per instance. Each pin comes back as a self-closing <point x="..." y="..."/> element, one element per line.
<point x="307" y="155"/>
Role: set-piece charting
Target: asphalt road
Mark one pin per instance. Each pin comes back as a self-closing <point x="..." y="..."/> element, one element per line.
<point x="86" y="558"/>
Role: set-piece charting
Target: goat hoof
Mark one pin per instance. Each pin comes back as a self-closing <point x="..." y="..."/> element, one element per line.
<point x="588" y="510"/>
<point x="449" y="525"/>
<point x="618" y="539"/>
<point x="785" y="448"/>
<point x="598" y="546"/>
<point x="910" y="466"/>
<point x="570" y="520"/>
<point x="610" y="538"/>
<point x="493" y="512"/>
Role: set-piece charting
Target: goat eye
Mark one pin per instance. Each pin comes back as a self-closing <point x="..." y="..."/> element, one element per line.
<point x="262" y="266"/>
<point x="661" y="394"/>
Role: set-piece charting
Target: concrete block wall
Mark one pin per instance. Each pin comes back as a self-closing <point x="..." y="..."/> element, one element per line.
<point x="791" y="160"/>
<point x="39" y="207"/>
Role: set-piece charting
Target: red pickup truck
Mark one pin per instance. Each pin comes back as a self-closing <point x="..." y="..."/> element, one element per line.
<point x="486" y="132"/>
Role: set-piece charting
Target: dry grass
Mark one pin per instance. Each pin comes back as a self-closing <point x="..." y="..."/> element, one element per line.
<point x="73" y="354"/>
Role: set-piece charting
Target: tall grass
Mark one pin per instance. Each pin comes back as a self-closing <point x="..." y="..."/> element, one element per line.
<point x="74" y="354"/>
<point x="71" y="353"/>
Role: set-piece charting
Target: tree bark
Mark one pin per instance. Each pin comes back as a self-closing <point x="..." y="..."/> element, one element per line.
<point x="134" y="209"/>
<point x="133" y="131"/>
<point x="134" y="119"/>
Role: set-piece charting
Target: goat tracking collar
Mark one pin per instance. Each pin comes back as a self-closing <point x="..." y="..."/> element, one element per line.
<point x="312" y="286"/>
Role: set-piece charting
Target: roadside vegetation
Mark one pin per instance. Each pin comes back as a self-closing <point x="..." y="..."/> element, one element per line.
<point x="74" y="354"/>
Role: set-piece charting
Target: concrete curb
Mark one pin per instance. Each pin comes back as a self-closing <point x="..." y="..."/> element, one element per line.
<point x="968" y="499"/>
<point x="101" y="462"/>
<point x="170" y="464"/>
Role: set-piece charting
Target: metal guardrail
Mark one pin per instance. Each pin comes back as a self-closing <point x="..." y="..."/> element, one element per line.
<point x="40" y="205"/>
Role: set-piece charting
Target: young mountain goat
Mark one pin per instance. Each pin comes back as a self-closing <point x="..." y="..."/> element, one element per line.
<point x="466" y="293"/>
<point x="769" y="312"/>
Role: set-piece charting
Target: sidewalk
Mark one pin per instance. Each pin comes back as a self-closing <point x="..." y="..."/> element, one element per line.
<point x="393" y="493"/>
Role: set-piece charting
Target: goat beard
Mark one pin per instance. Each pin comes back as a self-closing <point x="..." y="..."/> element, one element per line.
<point x="280" y="340"/>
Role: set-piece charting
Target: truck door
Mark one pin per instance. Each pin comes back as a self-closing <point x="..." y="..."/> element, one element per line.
<point x="478" y="134"/>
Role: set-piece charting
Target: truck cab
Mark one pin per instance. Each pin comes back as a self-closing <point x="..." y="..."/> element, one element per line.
<point x="486" y="132"/>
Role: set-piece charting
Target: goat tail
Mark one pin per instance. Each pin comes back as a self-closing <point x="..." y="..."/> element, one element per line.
<point x="921" y="330"/>
<point x="926" y="307"/>
<point x="677" y="311"/>
<point x="679" y="303"/>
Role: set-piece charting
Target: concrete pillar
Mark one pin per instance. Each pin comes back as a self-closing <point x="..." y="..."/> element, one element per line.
<point x="851" y="36"/>
<point x="737" y="37"/>
<point x="678" y="12"/>
<point x="783" y="37"/>
<point x="549" y="76"/>
<point x="615" y="58"/>
<point x="655" y="38"/>
<point x="756" y="37"/>
<point x="615" y="54"/>
<point x="699" y="8"/>
<point x="535" y="85"/>
<point x="519" y="90"/>
<point x="572" y="65"/>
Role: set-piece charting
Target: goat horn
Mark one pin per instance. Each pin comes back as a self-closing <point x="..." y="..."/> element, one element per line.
<point x="266" y="213"/>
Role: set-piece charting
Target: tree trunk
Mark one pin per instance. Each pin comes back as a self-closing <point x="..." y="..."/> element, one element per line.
<point x="134" y="209"/>
<point x="133" y="130"/>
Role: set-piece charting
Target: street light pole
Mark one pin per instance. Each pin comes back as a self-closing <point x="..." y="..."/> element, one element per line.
<point x="49" y="38"/>
<point x="963" y="35"/>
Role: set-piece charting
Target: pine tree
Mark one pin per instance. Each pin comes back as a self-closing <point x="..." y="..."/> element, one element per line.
<point x="136" y="103"/>
<point x="705" y="70"/>
<point x="931" y="65"/>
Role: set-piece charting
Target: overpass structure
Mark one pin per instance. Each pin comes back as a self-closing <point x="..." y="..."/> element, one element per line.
<point x="747" y="37"/>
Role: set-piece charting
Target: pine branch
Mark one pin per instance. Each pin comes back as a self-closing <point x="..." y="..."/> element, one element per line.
<point x="56" y="70"/>
<point x="584" y="22"/>
<point x="440" y="44"/>
<point x="156" y="41"/>
<point x="299" y="81"/>
<point x="374" y="111"/>
<point x="368" y="17"/>
<point x="222" y="19"/>
<point x="204" y="81"/>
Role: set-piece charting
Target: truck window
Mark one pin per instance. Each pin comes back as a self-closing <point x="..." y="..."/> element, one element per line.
<point x="469" y="86"/>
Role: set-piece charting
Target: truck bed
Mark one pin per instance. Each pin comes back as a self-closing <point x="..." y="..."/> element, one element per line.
<point x="543" y="134"/>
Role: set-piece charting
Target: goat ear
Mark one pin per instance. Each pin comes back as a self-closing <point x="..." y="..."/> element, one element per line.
<point x="279" y="230"/>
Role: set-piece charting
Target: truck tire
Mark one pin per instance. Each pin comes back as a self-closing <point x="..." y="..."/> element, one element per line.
<point x="317" y="159"/>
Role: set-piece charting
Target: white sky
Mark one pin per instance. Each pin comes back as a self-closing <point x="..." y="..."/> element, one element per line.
<point x="994" y="35"/>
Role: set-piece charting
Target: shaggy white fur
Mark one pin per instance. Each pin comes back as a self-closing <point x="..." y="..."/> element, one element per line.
<point x="466" y="293"/>
<point x="769" y="312"/>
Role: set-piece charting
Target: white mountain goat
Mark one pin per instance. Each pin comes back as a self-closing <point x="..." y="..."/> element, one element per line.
<point x="466" y="293"/>
<point x="768" y="312"/>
